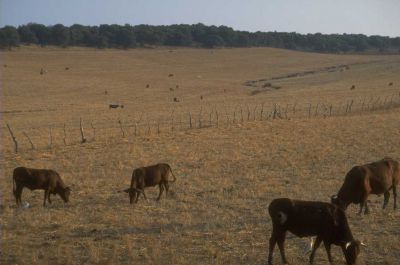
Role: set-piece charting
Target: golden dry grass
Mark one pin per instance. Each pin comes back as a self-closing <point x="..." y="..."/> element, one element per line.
<point x="216" y="212"/>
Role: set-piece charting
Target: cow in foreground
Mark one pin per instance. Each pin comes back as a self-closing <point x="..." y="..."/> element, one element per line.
<point x="374" y="178"/>
<point x="306" y="219"/>
<point x="148" y="177"/>
<point x="39" y="179"/>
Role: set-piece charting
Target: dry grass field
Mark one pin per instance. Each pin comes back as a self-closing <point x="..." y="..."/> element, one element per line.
<point x="216" y="212"/>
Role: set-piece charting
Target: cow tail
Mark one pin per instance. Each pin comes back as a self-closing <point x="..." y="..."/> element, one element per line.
<point x="170" y="169"/>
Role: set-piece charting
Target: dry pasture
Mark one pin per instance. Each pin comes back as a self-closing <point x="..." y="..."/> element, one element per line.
<point x="216" y="212"/>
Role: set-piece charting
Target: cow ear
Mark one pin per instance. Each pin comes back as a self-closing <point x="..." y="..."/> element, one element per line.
<point x="67" y="189"/>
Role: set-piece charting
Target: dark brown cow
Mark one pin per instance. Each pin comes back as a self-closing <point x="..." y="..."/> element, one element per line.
<point x="148" y="177"/>
<point x="39" y="179"/>
<point x="374" y="178"/>
<point x="306" y="219"/>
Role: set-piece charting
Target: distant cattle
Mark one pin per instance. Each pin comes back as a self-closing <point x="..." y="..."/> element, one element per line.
<point x="391" y="84"/>
<point x="170" y="75"/>
<point x="148" y="177"/>
<point x="306" y="219"/>
<point x="43" y="71"/>
<point x="176" y="99"/>
<point x="115" y="106"/>
<point x="42" y="179"/>
<point x="374" y="178"/>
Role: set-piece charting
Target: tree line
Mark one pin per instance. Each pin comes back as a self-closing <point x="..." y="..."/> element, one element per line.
<point x="196" y="35"/>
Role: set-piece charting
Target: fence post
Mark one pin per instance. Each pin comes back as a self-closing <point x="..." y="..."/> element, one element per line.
<point x="262" y="111"/>
<point x="94" y="130"/>
<point x="122" y="129"/>
<point x="309" y="110"/>
<point x="65" y="135"/>
<point x="316" y="109"/>
<point x="13" y="138"/>
<point x="29" y="139"/>
<point x="82" y="133"/>
<point x="51" y="138"/>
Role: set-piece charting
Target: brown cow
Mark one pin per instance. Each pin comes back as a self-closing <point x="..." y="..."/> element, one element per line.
<point x="39" y="179"/>
<point x="374" y="178"/>
<point x="148" y="177"/>
<point x="308" y="218"/>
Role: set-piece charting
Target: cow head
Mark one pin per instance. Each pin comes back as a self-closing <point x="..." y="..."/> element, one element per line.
<point x="64" y="194"/>
<point x="351" y="251"/>
<point x="335" y="199"/>
<point x="133" y="192"/>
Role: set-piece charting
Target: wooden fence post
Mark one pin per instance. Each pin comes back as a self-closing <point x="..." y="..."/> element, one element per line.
<point x="83" y="139"/>
<point x="94" y="130"/>
<point x="122" y="129"/>
<point x="29" y="139"/>
<point x="316" y="110"/>
<point x="13" y="138"/>
<point x="262" y="111"/>
<point x="65" y="135"/>
<point x="51" y="138"/>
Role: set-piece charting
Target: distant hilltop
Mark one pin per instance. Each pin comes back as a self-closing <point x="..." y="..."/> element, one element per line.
<point x="196" y="35"/>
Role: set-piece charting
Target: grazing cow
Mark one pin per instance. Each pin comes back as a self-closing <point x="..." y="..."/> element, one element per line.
<point x="39" y="179"/>
<point x="115" y="106"/>
<point x="306" y="219"/>
<point x="148" y="177"/>
<point x="374" y="178"/>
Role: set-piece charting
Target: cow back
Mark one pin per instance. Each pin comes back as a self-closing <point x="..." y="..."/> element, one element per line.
<point x="34" y="178"/>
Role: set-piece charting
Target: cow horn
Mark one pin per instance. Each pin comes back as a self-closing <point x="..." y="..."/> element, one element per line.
<point x="334" y="196"/>
<point x="363" y="244"/>
<point x="347" y="245"/>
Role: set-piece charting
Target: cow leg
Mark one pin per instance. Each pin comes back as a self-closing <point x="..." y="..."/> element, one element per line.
<point x="315" y="246"/>
<point x="161" y="191"/>
<point x="166" y="185"/>
<point x="363" y="204"/>
<point x="272" y="242"/>
<point x="361" y="207"/>
<point x="366" y="210"/>
<point x="18" y="195"/>
<point x="144" y="195"/>
<point x="132" y="196"/>
<point x="394" y="196"/>
<point x="386" y="199"/>
<point x="48" y="197"/>
<point x="328" y="251"/>
<point x="136" y="196"/>
<point x="281" y="244"/>
<point x="46" y="194"/>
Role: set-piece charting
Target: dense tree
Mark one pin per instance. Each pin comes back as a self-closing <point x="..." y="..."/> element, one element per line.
<point x="60" y="35"/>
<point x="26" y="35"/>
<point x="9" y="37"/>
<point x="197" y="35"/>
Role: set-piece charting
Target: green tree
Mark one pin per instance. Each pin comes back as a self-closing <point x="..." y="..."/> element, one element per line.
<point x="26" y="35"/>
<point x="9" y="37"/>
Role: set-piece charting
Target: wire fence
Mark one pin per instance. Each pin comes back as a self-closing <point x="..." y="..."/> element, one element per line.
<point x="211" y="117"/>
